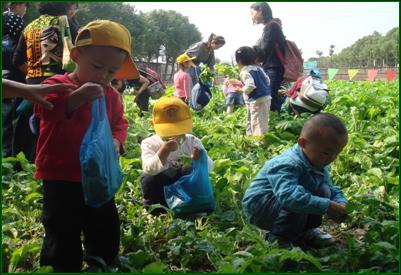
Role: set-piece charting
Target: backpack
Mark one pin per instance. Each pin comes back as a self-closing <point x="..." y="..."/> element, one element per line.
<point x="292" y="61"/>
<point x="156" y="87"/>
<point x="200" y="93"/>
<point x="313" y="94"/>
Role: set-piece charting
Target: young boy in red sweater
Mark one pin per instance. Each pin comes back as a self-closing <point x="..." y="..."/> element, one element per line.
<point x="102" y="52"/>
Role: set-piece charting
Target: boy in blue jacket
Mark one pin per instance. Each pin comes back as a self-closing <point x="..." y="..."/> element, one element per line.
<point x="293" y="190"/>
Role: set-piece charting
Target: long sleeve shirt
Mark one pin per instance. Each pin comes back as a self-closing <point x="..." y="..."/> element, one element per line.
<point x="292" y="180"/>
<point x="60" y="137"/>
<point x="183" y="84"/>
<point x="256" y="84"/>
<point x="272" y="37"/>
<point x="202" y="53"/>
<point x="151" y="163"/>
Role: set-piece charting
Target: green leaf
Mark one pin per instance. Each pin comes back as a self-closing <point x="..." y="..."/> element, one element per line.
<point x="156" y="267"/>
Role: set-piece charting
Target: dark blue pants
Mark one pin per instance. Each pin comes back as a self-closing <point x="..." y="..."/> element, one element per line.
<point x="153" y="186"/>
<point x="286" y="224"/>
<point x="65" y="216"/>
<point x="276" y="77"/>
<point x="8" y="113"/>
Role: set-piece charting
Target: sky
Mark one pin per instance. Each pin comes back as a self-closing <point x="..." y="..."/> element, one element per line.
<point x="312" y="26"/>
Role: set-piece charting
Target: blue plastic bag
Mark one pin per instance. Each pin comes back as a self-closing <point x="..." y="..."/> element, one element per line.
<point x="200" y="93"/>
<point x="192" y="193"/>
<point x="100" y="168"/>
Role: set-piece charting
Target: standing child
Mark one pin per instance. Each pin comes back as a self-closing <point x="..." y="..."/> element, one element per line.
<point x="182" y="80"/>
<point x="293" y="190"/>
<point x="162" y="152"/>
<point x="102" y="52"/>
<point x="232" y="94"/>
<point x="256" y="91"/>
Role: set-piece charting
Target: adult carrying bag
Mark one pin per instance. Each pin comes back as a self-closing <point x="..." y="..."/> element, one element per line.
<point x="192" y="193"/>
<point x="100" y="168"/>
<point x="291" y="60"/>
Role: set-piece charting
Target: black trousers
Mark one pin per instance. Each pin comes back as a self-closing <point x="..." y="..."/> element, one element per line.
<point x="23" y="139"/>
<point x="153" y="186"/>
<point x="8" y="113"/>
<point x="142" y="101"/>
<point x="65" y="216"/>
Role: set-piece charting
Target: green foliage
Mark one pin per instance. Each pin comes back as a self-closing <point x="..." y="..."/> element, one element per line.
<point x="232" y="72"/>
<point x="206" y="74"/>
<point x="368" y="51"/>
<point x="367" y="171"/>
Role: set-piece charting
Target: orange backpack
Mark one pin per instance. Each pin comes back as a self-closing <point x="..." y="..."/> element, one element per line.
<point x="292" y="61"/>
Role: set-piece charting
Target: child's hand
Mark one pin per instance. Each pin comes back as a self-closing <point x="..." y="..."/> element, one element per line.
<point x="238" y="89"/>
<point x="87" y="92"/>
<point x="117" y="146"/>
<point x="171" y="145"/>
<point x="337" y="212"/>
<point x="195" y="155"/>
<point x="90" y="91"/>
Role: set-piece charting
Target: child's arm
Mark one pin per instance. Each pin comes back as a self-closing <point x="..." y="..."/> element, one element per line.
<point x="154" y="156"/>
<point x="188" y="85"/>
<point x="293" y="196"/>
<point x="196" y="143"/>
<point x="118" y="123"/>
<point x="87" y="92"/>
<point x="247" y="80"/>
<point x="34" y="93"/>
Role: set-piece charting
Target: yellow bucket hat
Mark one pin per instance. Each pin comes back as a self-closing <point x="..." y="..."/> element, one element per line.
<point x="171" y="117"/>
<point x="112" y="34"/>
<point x="184" y="58"/>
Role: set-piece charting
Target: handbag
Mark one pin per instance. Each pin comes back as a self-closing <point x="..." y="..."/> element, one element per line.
<point x="100" y="168"/>
<point x="67" y="64"/>
<point x="156" y="90"/>
<point x="192" y="193"/>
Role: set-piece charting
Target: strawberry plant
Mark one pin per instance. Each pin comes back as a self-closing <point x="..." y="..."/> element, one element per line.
<point x="367" y="171"/>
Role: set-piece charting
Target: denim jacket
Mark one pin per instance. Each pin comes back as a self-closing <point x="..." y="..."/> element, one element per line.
<point x="292" y="180"/>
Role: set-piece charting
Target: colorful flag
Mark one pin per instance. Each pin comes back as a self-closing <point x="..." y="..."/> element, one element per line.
<point x="372" y="74"/>
<point x="391" y="75"/>
<point x="331" y="72"/>
<point x="352" y="73"/>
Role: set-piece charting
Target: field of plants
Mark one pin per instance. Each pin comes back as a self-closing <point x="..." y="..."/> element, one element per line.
<point x="367" y="171"/>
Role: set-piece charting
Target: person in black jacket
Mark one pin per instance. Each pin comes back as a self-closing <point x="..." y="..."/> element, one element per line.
<point x="12" y="27"/>
<point x="272" y="40"/>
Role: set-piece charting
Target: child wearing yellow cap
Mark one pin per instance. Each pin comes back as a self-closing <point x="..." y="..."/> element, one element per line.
<point x="102" y="53"/>
<point x="182" y="80"/>
<point x="161" y="153"/>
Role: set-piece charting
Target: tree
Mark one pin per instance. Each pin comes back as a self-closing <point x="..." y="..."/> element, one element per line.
<point x="319" y="53"/>
<point x="331" y="50"/>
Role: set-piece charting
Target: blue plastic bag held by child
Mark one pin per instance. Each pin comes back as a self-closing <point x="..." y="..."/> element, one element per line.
<point x="192" y="193"/>
<point x="100" y="168"/>
<point x="200" y="93"/>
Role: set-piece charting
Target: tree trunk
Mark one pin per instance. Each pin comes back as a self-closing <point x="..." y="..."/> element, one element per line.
<point x="166" y="68"/>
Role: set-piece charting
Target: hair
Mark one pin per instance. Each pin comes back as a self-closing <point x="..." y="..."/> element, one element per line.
<point x="246" y="56"/>
<point x="123" y="86"/>
<point x="267" y="13"/>
<point x="322" y="120"/>
<point x="12" y="5"/>
<point x="55" y="8"/>
<point x="260" y="55"/>
<point x="216" y="39"/>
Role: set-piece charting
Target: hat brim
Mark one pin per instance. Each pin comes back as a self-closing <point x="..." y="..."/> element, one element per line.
<point x="173" y="129"/>
<point x="128" y="70"/>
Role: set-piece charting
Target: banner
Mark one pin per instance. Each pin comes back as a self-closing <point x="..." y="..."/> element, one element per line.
<point x="331" y="72"/>
<point x="372" y="74"/>
<point x="352" y="73"/>
<point x="391" y="75"/>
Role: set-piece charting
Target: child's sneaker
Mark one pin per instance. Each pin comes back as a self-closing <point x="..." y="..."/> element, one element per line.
<point x="318" y="238"/>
